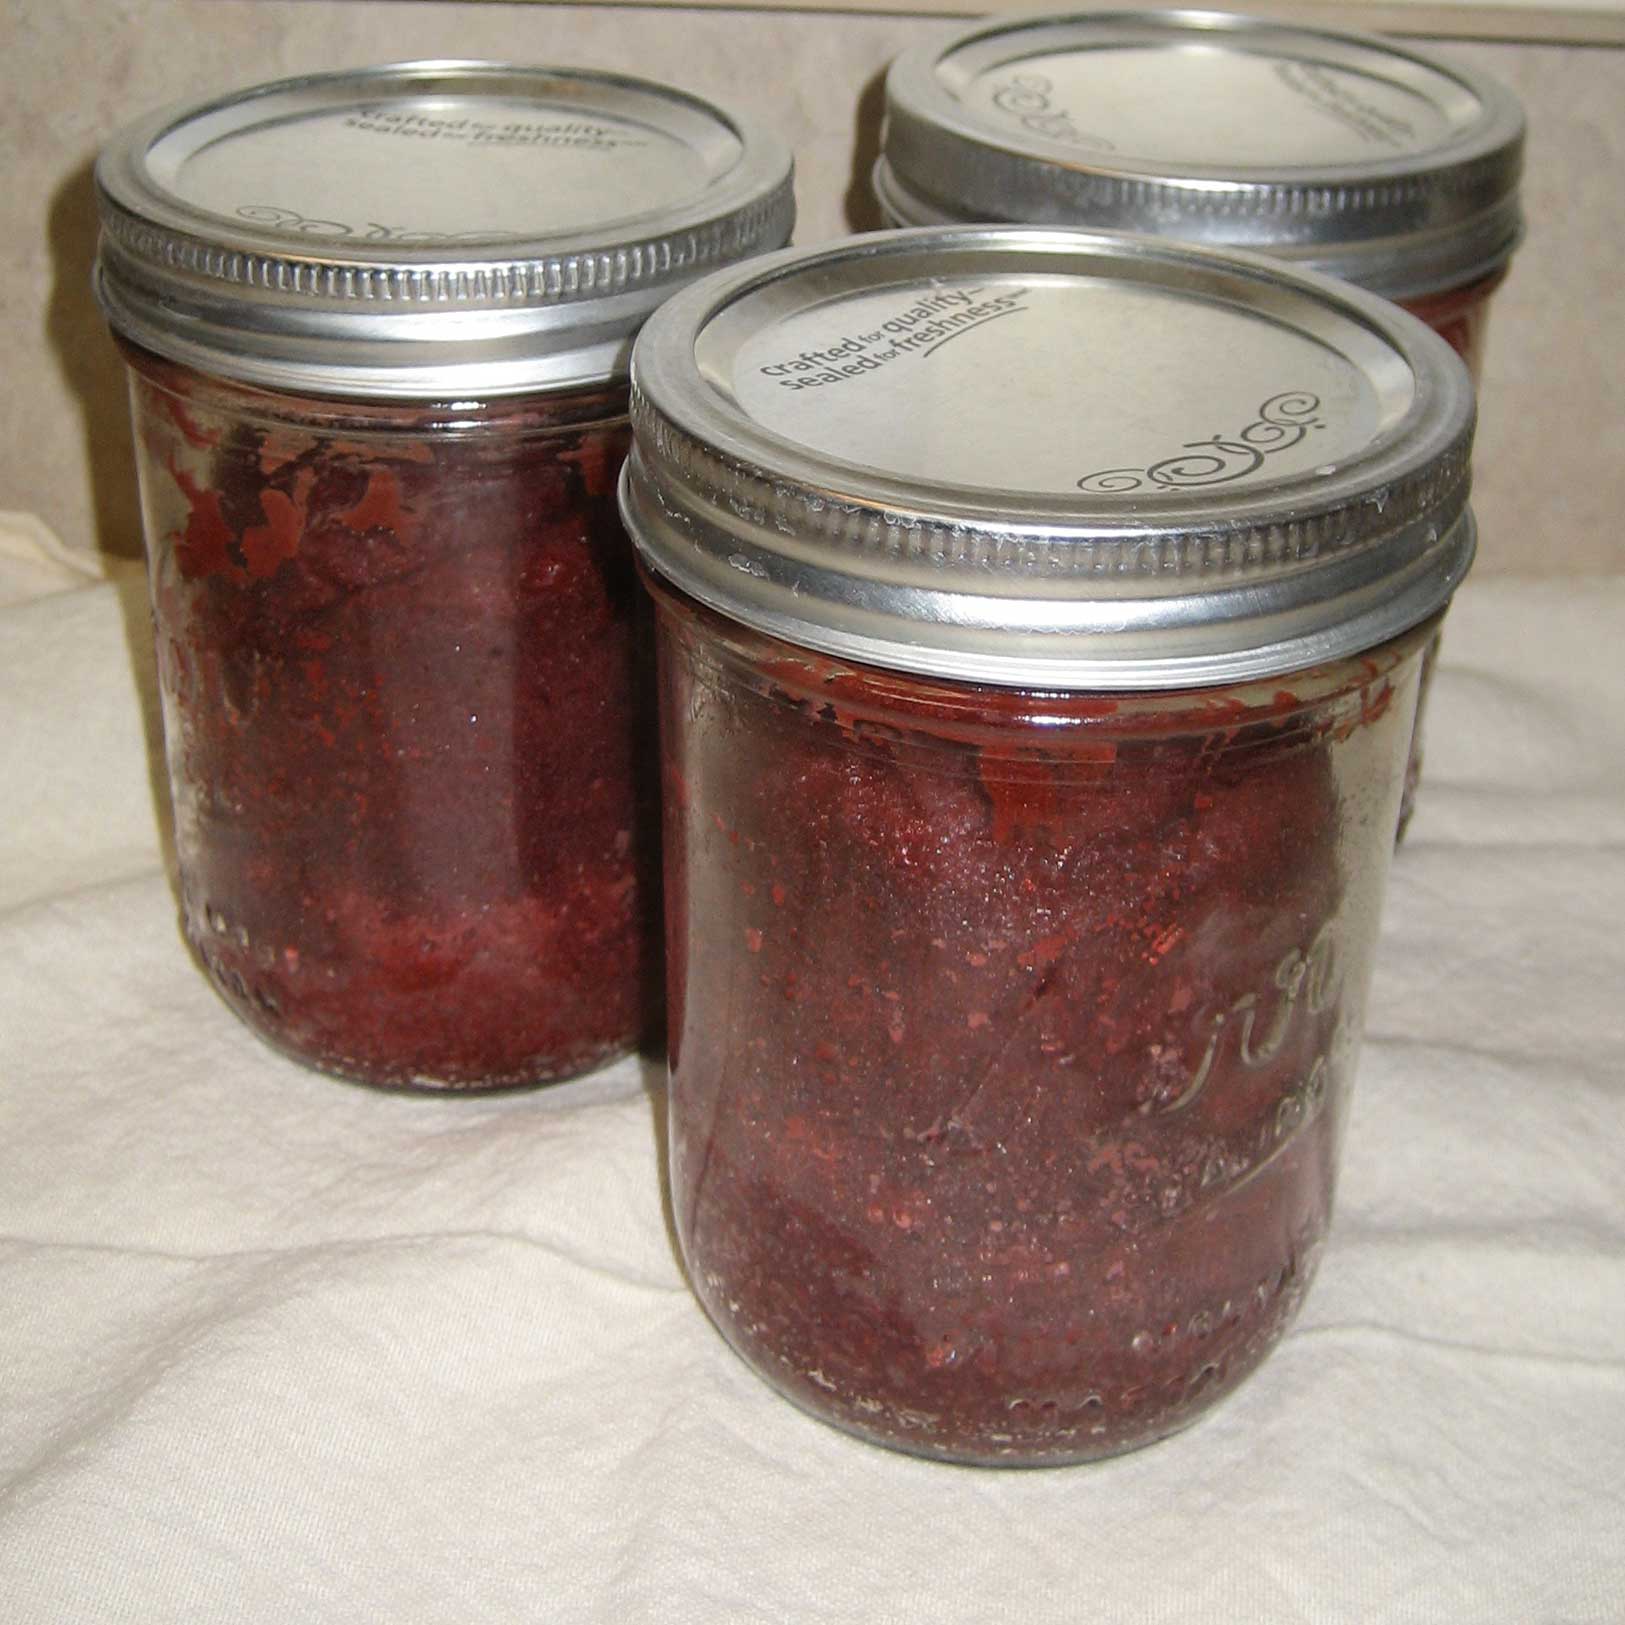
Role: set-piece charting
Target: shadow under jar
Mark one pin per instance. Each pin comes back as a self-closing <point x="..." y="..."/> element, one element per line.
<point x="1029" y="797"/>
<point x="380" y="408"/>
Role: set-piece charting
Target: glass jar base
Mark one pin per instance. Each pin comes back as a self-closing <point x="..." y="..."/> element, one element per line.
<point x="408" y="1073"/>
<point x="537" y="1074"/>
<point x="1086" y="1443"/>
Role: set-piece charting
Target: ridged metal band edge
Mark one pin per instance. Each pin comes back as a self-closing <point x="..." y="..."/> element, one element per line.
<point x="726" y="495"/>
<point x="942" y="163"/>
<point x="550" y="279"/>
<point x="1070" y="644"/>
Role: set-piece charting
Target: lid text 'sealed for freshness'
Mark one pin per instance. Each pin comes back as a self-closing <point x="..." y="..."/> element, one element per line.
<point x="925" y="325"/>
<point x="467" y="131"/>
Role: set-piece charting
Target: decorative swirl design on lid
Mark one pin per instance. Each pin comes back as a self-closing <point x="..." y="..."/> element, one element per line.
<point x="1028" y="99"/>
<point x="270" y="214"/>
<point x="1283" y="421"/>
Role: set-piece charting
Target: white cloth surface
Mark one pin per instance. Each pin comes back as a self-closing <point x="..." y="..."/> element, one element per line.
<point x="274" y="1348"/>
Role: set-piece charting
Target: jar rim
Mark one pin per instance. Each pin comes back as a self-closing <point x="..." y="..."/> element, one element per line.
<point x="955" y="709"/>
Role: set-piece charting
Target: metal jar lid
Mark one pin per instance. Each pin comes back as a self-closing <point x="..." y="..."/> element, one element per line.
<point x="1342" y="152"/>
<point x="426" y="229"/>
<point x="1051" y="459"/>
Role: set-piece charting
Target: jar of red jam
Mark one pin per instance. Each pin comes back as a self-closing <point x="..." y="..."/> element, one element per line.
<point x="1345" y="153"/>
<point x="1040" y="622"/>
<point x="378" y="325"/>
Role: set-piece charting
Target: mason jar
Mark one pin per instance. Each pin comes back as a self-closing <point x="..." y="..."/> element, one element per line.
<point x="1040" y="622"/>
<point x="378" y="325"/>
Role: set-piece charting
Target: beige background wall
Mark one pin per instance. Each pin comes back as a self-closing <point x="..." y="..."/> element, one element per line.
<point x="1551" y="466"/>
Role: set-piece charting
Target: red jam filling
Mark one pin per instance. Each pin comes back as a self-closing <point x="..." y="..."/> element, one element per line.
<point x="405" y="676"/>
<point x="1460" y="316"/>
<point x="1010" y="1031"/>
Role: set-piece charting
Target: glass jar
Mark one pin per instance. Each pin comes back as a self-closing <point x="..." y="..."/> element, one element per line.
<point x="1030" y="770"/>
<point x="405" y="668"/>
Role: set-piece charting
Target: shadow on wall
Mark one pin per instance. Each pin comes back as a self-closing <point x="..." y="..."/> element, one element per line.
<point x="95" y="372"/>
<point x="90" y="362"/>
<point x="862" y="208"/>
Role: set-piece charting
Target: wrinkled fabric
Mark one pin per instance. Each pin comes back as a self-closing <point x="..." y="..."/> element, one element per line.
<point x="275" y="1348"/>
